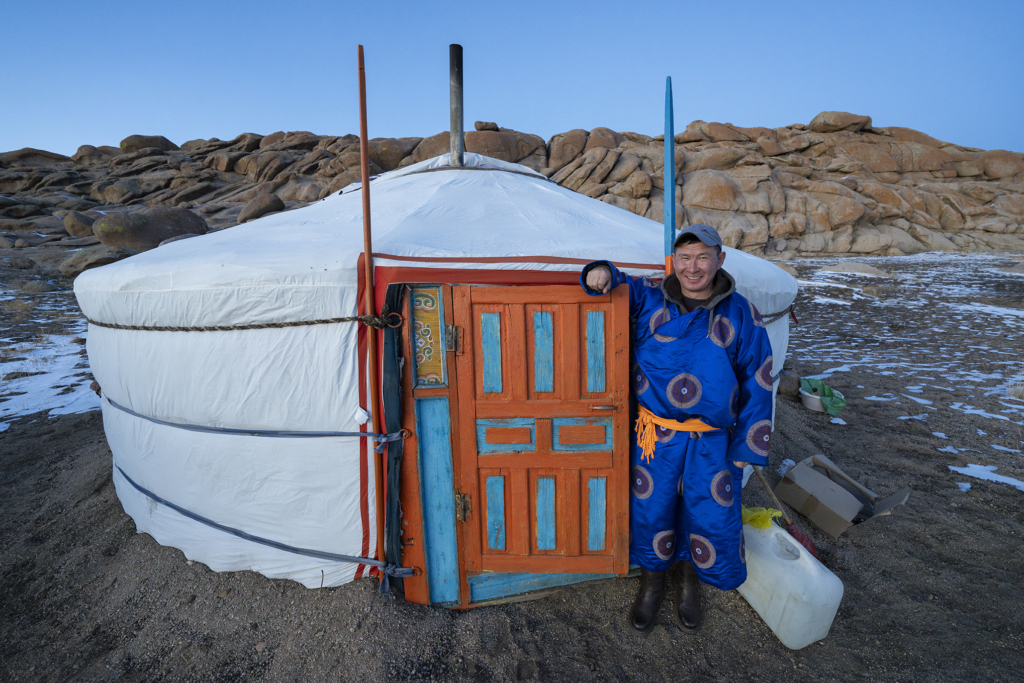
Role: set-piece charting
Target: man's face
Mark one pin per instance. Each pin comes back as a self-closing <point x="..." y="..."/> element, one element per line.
<point x="695" y="265"/>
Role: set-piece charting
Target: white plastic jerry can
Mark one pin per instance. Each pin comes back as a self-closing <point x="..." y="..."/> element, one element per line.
<point x="793" y="593"/>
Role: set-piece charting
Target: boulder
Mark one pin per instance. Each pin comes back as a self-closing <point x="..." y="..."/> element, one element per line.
<point x="37" y="287"/>
<point x="134" y="143"/>
<point x="624" y="166"/>
<point x="21" y="211"/>
<point x="29" y="156"/>
<point x="260" y="206"/>
<point x="246" y="142"/>
<point x="485" y="125"/>
<point x="833" y="121"/>
<point x="603" y="169"/>
<point x="565" y="147"/>
<point x="273" y="138"/>
<point x="720" y="132"/>
<point x="431" y="147"/>
<point x="78" y="224"/>
<point x="146" y="229"/>
<point x="507" y="145"/>
<point x="603" y="137"/>
<point x="93" y="257"/>
<point x="89" y="155"/>
<point x="389" y="152"/>
<point x="121" y="191"/>
<point x="999" y="163"/>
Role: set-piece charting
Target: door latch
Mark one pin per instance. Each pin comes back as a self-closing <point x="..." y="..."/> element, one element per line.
<point x="462" y="507"/>
<point x="453" y="339"/>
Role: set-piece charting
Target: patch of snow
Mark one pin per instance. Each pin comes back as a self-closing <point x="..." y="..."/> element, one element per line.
<point x="964" y="486"/>
<point x="986" y="472"/>
<point x="60" y="367"/>
<point x="922" y="417"/>
<point x="948" y="449"/>
<point x="837" y="421"/>
<point x="1005" y="449"/>
<point x="941" y="435"/>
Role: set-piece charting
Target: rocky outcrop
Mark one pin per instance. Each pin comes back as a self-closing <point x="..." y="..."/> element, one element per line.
<point x="833" y="186"/>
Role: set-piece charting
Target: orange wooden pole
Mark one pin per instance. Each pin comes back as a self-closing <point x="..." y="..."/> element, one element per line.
<point x="371" y="346"/>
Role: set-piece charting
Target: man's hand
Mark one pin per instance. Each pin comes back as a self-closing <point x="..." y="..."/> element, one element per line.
<point x="741" y="465"/>
<point x="599" y="280"/>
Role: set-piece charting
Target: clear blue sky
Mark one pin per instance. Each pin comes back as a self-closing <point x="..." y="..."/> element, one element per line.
<point x="95" y="72"/>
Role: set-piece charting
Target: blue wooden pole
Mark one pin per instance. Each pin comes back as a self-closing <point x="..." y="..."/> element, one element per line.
<point x="670" y="176"/>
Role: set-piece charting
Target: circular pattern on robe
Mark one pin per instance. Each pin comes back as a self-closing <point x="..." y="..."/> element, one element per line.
<point x="702" y="553"/>
<point x="641" y="483"/>
<point x="662" y="434"/>
<point x="640" y="382"/>
<point x="721" y="488"/>
<point x="734" y="402"/>
<point x="756" y="315"/>
<point x="764" y="374"/>
<point x="722" y="331"/>
<point x="652" y="283"/>
<point x="759" y="437"/>
<point x="684" y="391"/>
<point x="743" y="547"/>
<point x="657" y="318"/>
<point x="665" y="544"/>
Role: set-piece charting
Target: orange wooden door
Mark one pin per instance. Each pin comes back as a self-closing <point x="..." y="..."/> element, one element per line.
<point x="543" y="390"/>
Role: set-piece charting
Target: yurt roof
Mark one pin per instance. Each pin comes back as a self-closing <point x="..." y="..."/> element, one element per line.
<point x="291" y="265"/>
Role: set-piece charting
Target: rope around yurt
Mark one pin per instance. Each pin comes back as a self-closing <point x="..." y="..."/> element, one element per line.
<point x="378" y="322"/>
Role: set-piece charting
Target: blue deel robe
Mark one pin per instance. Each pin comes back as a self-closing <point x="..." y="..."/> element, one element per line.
<point x="715" y="364"/>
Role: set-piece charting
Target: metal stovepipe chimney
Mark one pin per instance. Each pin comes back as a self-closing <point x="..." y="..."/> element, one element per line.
<point x="458" y="141"/>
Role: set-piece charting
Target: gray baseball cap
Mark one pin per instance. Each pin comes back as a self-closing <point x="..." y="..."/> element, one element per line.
<point x="705" y="233"/>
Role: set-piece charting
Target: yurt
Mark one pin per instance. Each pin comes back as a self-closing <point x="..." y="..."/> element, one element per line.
<point x="234" y="384"/>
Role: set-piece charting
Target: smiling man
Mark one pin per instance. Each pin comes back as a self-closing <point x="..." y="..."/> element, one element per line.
<point x="702" y="379"/>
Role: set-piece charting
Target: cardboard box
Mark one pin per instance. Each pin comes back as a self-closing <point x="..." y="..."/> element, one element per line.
<point x="830" y="503"/>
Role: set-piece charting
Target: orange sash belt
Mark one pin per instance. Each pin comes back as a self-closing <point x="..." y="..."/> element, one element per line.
<point x="646" y="421"/>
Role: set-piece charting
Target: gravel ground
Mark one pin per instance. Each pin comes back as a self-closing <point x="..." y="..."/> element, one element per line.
<point x="933" y="592"/>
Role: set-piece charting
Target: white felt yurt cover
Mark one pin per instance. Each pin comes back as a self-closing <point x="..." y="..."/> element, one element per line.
<point x="314" y="493"/>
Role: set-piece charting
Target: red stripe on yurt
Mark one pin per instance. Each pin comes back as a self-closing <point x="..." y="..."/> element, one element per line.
<point x="512" y="259"/>
<point x="364" y="500"/>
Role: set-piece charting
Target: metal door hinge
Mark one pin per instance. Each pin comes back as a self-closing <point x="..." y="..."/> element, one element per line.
<point x="462" y="507"/>
<point x="453" y="339"/>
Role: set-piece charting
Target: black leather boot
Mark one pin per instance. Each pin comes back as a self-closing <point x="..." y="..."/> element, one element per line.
<point x="648" y="601"/>
<point x="688" y="596"/>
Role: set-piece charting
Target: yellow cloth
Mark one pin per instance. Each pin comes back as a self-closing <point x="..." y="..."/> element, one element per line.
<point x="646" y="422"/>
<point x="760" y="518"/>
